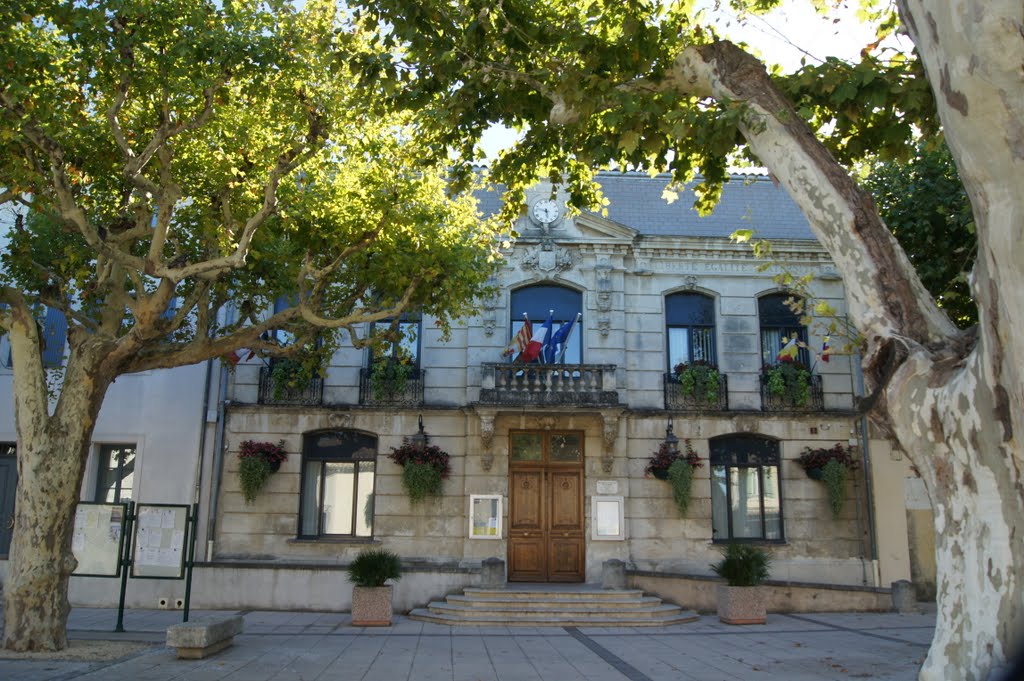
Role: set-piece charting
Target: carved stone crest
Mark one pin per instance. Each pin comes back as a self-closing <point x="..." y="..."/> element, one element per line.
<point x="548" y="258"/>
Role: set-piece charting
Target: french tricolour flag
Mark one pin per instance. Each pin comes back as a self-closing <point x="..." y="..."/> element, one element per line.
<point x="540" y="335"/>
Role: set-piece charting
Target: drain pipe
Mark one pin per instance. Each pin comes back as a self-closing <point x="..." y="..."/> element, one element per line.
<point x="218" y="449"/>
<point x="218" y="463"/>
<point x="202" y="433"/>
<point x="869" y="492"/>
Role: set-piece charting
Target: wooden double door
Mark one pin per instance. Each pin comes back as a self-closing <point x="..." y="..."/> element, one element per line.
<point x="545" y="536"/>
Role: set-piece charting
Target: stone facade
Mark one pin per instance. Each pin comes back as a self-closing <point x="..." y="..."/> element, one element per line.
<point x="470" y="406"/>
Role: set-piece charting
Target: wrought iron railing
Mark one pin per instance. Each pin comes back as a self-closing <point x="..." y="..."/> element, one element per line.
<point x="548" y="384"/>
<point x="401" y="394"/>
<point x="272" y="392"/>
<point x="792" y="397"/>
<point x="698" y="399"/>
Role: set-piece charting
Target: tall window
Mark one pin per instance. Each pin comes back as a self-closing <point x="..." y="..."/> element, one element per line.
<point x="564" y="304"/>
<point x="690" y="322"/>
<point x="338" y="471"/>
<point x="778" y="322"/>
<point x="406" y="345"/>
<point x="116" y="473"/>
<point x="746" y="501"/>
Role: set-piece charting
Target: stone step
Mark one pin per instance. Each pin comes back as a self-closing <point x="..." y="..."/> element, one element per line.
<point x="553" y="606"/>
<point x="424" y="615"/>
<point x="534" y="593"/>
<point x="622" y="603"/>
<point x="518" y="611"/>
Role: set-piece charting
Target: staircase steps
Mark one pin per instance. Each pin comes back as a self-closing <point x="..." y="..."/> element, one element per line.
<point x="553" y="607"/>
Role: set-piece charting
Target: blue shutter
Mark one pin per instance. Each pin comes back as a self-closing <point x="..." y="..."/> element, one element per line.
<point x="55" y="334"/>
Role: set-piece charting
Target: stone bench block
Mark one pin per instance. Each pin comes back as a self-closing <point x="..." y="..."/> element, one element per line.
<point x="203" y="637"/>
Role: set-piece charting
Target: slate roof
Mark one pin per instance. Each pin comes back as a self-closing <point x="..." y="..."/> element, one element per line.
<point x="748" y="202"/>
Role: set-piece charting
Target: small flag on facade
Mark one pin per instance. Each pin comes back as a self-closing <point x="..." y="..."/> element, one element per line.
<point x="521" y="339"/>
<point x="824" y="349"/>
<point x="788" y="351"/>
<point x="538" y="340"/>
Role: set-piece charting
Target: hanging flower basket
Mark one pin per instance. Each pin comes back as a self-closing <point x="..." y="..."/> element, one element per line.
<point x="257" y="462"/>
<point x="425" y="467"/>
<point x="831" y="466"/>
<point x="677" y="468"/>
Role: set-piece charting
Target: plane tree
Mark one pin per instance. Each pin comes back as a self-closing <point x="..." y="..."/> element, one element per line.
<point x="645" y="84"/>
<point x="169" y="171"/>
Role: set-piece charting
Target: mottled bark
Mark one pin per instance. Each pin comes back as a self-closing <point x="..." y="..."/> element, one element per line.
<point x="952" y="400"/>
<point x="52" y="451"/>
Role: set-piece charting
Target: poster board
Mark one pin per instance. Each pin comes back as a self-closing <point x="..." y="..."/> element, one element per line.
<point x="485" y="516"/>
<point x="97" y="539"/>
<point x="160" y="535"/>
<point x="607" y="518"/>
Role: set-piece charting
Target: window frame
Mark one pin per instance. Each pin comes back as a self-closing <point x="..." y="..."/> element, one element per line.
<point x="782" y="321"/>
<point x="748" y="452"/>
<point x="535" y="300"/>
<point x="673" y="320"/>
<point x="416" y="348"/>
<point x="341" y="454"/>
<point x="103" y="454"/>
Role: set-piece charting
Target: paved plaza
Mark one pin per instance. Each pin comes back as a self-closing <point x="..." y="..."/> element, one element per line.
<point x="308" y="646"/>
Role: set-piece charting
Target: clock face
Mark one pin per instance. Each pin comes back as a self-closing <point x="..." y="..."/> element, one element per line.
<point x="546" y="211"/>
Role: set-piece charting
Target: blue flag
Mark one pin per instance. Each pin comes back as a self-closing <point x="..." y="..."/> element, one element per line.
<point x="559" y="338"/>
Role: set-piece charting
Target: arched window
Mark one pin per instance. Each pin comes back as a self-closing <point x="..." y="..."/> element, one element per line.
<point x="338" y="472"/>
<point x="564" y="304"/>
<point x="746" y="498"/>
<point x="779" y="322"/>
<point x="690" y="327"/>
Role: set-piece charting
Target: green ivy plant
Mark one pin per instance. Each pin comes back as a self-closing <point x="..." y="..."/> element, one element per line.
<point x="834" y="476"/>
<point x="680" y="477"/>
<point x="389" y="376"/>
<point x="699" y="380"/>
<point x="789" y="380"/>
<point x="253" y="473"/>
<point x="421" y="480"/>
<point x="288" y="376"/>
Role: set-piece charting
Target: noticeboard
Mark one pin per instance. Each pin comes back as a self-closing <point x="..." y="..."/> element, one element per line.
<point x="97" y="539"/>
<point x="160" y="534"/>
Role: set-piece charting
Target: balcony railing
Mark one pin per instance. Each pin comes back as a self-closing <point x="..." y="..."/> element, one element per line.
<point x="793" y="397"/>
<point x="409" y="394"/>
<point x="311" y="393"/>
<point x="676" y="397"/>
<point x="548" y="384"/>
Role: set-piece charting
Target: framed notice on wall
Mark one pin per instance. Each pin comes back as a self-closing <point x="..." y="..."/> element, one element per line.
<point x="485" y="516"/>
<point x="607" y="518"/>
<point x="98" y="539"/>
<point x="160" y="535"/>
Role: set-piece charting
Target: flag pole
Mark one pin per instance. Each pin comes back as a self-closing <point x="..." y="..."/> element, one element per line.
<point x="565" y="345"/>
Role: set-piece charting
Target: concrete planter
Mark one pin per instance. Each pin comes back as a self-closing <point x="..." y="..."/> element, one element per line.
<point x="742" y="604"/>
<point x="371" y="606"/>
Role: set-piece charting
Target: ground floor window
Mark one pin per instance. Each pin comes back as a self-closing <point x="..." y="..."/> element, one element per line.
<point x="116" y="473"/>
<point x="746" y="497"/>
<point x="338" y="474"/>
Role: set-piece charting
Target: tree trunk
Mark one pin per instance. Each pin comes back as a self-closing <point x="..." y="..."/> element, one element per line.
<point x="36" y="589"/>
<point x="951" y="400"/>
<point x="52" y="450"/>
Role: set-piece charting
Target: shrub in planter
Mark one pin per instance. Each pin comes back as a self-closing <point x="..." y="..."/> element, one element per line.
<point x="742" y="599"/>
<point x="257" y="462"/>
<point x="389" y="376"/>
<point x="660" y="462"/>
<point x="371" y="596"/>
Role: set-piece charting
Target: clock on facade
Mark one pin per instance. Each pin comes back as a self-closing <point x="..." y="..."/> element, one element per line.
<point x="546" y="211"/>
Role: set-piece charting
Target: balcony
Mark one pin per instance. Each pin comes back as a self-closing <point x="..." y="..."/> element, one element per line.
<point x="548" y="384"/>
<point x="311" y="393"/>
<point x="792" y="395"/>
<point x="705" y="400"/>
<point x="393" y="394"/>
